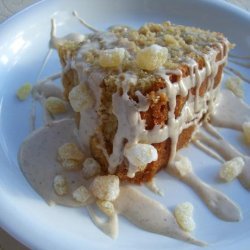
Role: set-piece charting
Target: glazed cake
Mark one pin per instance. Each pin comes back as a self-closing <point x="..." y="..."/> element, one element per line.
<point x="139" y="95"/>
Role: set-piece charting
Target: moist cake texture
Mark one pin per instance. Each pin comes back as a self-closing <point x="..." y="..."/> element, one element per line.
<point x="139" y="95"/>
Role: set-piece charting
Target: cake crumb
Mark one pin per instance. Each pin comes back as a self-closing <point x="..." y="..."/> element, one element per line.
<point x="139" y="154"/>
<point x="182" y="165"/>
<point x="70" y="165"/>
<point x="111" y="58"/>
<point x="170" y="40"/>
<point x="70" y="151"/>
<point x="70" y="156"/>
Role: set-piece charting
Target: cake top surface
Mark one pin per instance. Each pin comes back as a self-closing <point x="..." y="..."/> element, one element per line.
<point x="150" y="48"/>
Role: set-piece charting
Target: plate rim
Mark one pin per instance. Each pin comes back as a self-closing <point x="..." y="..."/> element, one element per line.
<point x="10" y="228"/>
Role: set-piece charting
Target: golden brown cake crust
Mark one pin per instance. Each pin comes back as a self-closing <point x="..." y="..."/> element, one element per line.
<point x="157" y="115"/>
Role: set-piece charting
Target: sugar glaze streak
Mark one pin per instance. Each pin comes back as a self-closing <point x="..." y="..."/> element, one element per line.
<point x="217" y="202"/>
<point x="228" y="152"/>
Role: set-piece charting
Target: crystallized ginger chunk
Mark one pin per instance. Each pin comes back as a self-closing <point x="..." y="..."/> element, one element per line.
<point x="55" y="105"/>
<point x="152" y="57"/>
<point x="60" y="185"/>
<point x="81" y="194"/>
<point x="80" y="98"/>
<point x="105" y="187"/>
<point x="170" y="40"/>
<point x="24" y="91"/>
<point x="111" y="58"/>
<point x="184" y="216"/>
<point x="231" y="169"/>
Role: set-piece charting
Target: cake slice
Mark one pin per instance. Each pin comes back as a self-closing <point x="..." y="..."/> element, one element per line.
<point x="139" y="95"/>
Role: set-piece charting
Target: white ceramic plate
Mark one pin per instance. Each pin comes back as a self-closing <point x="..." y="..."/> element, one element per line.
<point x="23" y="45"/>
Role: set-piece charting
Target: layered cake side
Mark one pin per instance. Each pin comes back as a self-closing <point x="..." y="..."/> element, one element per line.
<point x="139" y="95"/>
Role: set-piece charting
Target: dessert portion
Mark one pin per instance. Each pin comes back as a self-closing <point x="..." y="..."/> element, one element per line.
<point x="139" y="95"/>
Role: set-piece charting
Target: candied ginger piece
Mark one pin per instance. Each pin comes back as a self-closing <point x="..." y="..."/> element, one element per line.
<point x="55" y="105"/>
<point x="235" y="85"/>
<point x="152" y="57"/>
<point x="60" y="185"/>
<point x="231" y="169"/>
<point x="70" y="151"/>
<point x="90" y="168"/>
<point x="182" y="165"/>
<point x="80" y="98"/>
<point x="111" y="58"/>
<point x="139" y="154"/>
<point x="184" y="216"/>
<point x="105" y="187"/>
<point x="24" y="91"/>
<point x="246" y="131"/>
<point x="81" y="194"/>
<point x="71" y="164"/>
<point x="106" y="207"/>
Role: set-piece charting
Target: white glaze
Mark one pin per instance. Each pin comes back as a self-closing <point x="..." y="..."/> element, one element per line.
<point x="56" y="42"/>
<point x="230" y="112"/>
<point x="218" y="203"/>
<point x="143" y="214"/>
<point x="109" y="226"/>
<point x="152" y="186"/>
<point x="38" y="161"/>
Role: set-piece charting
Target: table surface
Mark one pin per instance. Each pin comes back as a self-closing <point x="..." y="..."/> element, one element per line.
<point x="8" y="8"/>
